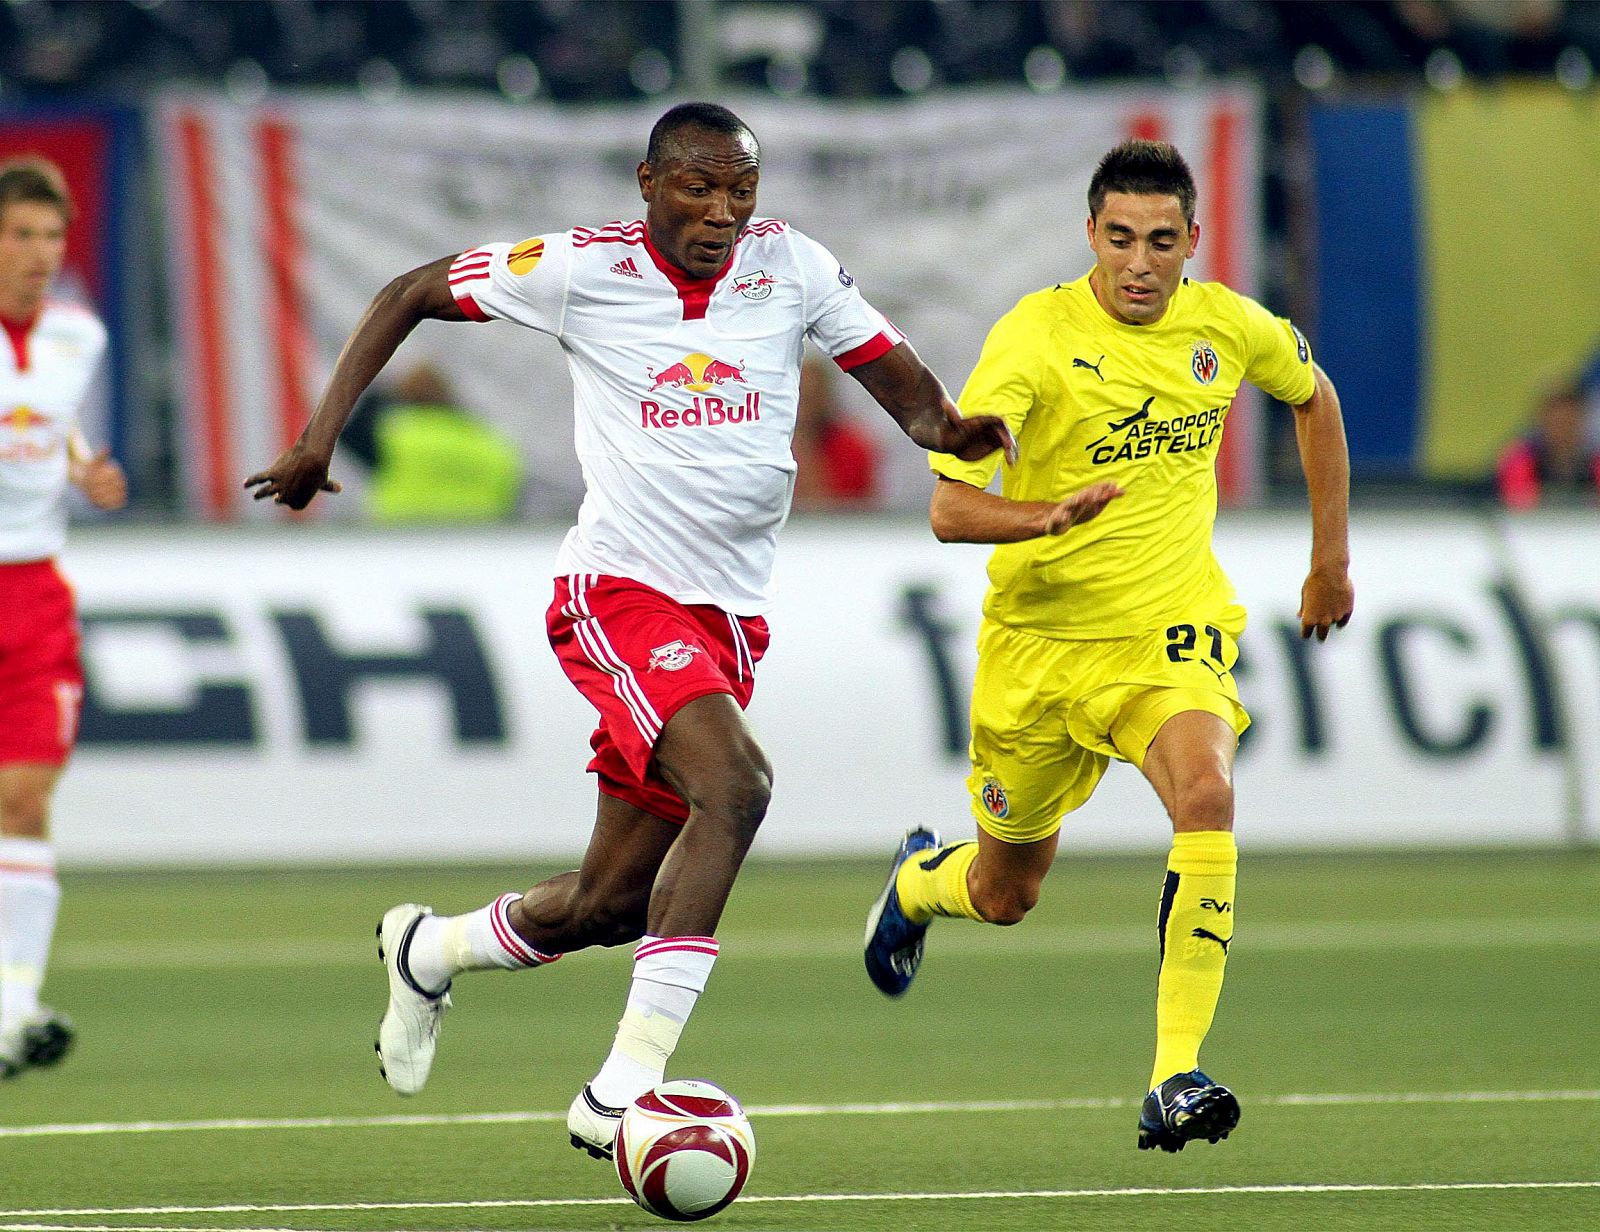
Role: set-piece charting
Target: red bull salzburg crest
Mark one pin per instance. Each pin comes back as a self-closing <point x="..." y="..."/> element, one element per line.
<point x="672" y="657"/>
<point x="1204" y="362"/>
<point x="756" y="286"/>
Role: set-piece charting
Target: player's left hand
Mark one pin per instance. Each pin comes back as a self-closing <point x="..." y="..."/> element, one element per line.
<point x="296" y="477"/>
<point x="102" y="481"/>
<point x="1326" y="601"/>
<point x="972" y="439"/>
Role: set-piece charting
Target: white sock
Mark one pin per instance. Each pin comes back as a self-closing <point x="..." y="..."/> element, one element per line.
<point x="29" y="895"/>
<point x="482" y="940"/>
<point x="669" y="974"/>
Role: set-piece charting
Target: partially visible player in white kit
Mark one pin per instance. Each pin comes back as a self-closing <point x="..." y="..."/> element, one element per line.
<point x="46" y="365"/>
<point x="684" y="333"/>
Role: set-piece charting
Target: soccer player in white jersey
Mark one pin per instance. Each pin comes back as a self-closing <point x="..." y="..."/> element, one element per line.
<point x="46" y="365"/>
<point x="684" y="332"/>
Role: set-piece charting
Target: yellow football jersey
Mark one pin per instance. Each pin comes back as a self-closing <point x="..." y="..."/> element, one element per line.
<point x="1090" y="398"/>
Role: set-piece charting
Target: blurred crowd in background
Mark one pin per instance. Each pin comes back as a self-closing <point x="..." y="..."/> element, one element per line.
<point x="598" y="51"/>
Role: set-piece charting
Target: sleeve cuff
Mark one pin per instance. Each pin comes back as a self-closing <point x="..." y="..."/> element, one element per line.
<point x="874" y="348"/>
<point x="469" y="306"/>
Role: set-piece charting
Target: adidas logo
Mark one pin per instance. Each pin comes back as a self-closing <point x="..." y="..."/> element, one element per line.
<point x="626" y="268"/>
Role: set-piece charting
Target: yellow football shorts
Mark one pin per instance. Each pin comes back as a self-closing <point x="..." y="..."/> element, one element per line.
<point x="1048" y="715"/>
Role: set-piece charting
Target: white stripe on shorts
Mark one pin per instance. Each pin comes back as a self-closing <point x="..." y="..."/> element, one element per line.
<point x="622" y="680"/>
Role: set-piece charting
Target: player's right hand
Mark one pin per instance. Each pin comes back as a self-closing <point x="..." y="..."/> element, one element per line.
<point x="1081" y="506"/>
<point x="296" y="477"/>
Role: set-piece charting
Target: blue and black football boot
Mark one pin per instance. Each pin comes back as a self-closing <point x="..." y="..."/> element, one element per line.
<point x="894" y="943"/>
<point x="1186" y="1107"/>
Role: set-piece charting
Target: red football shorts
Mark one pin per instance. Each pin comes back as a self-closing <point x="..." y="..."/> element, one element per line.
<point x="41" y="679"/>
<point x="640" y="657"/>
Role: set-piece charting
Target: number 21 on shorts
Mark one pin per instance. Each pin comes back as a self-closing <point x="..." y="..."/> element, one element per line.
<point x="1181" y="641"/>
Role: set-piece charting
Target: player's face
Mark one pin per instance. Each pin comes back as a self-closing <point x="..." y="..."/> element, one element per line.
<point x="1140" y="242"/>
<point x="699" y="198"/>
<point x="33" y="242"/>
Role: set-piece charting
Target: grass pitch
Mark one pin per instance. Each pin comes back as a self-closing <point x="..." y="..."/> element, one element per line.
<point x="1412" y="1038"/>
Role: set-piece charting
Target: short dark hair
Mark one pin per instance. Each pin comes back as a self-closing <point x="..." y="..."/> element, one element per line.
<point x="32" y="178"/>
<point x="708" y="117"/>
<point x="1143" y="167"/>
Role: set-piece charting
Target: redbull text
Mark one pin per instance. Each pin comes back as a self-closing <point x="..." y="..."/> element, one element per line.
<point x="709" y="411"/>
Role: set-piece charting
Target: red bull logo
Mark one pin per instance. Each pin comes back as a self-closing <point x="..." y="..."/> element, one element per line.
<point x="22" y="418"/>
<point x="755" y="286"/>
<point x="696" y="373"/>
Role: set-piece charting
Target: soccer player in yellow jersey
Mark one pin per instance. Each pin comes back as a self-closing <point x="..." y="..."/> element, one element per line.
<point x="1109" y="628"/>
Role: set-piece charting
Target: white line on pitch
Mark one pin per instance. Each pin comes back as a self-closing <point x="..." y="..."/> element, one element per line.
<point x="183" y="954"/>
<point x="982" y="1195"/>
<point x="1090" y="1103"/>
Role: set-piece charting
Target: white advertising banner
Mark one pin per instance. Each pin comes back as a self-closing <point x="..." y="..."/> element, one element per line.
<point x="285" y="218"/>
<point x="297" y="694"/>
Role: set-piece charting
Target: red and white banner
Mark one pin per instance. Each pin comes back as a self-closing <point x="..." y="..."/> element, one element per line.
<point x="287" y="216"/>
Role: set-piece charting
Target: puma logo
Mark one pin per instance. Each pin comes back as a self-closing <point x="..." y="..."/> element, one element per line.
<point x="1206" y="934"/>
<point x="933" y="862"/>
<point x="1094" y="367"/>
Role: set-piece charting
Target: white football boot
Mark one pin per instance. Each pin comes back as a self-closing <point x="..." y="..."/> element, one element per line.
<point x="40" y="1039"/>
<point x="409" y="1032"/>
<point x="592" y="1125"/>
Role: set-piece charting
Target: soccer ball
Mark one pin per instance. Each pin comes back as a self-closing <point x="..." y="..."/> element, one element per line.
<point x="684" y="1150"/>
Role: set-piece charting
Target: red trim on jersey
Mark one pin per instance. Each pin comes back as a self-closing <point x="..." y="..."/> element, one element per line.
<point x="1222" y="244"/>
<point x="18" y="332"/>
<point x="290" y="337"/>
<point x="694" y="292"/>
<point x="873" y="348"/>
<point x="208" y="336"/>
<point x="611" y="233"/>
<point x="468" y="305"/>
<point x="470" y="267"/>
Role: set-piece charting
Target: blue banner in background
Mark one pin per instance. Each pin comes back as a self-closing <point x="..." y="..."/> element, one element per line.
<point x="1369" y="329"/>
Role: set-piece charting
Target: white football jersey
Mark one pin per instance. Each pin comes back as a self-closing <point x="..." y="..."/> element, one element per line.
<point x="45" y="372"/>
<point x="686" y="391"/>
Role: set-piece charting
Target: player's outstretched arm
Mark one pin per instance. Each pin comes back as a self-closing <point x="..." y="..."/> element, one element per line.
<point x="301" y="471"/>
<point x="905" y="387"/>
<point x="1328" y="596"/>
<point x="961" y="513"/>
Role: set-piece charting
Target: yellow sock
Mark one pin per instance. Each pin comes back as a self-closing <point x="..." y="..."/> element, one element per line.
<point x="1196" y="928"/>
<point x="934" y="883"/>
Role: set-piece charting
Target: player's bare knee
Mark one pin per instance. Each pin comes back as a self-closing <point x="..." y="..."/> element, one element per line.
<point x="737" y="801"/>
<point x="1004" y="904"/>
<point x="24" y="813"/>
<point x="1204" y="803"/>
<point x="747" y="802"/>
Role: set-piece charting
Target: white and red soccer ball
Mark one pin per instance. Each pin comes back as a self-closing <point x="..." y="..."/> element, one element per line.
<point x="684" y="1150"/>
